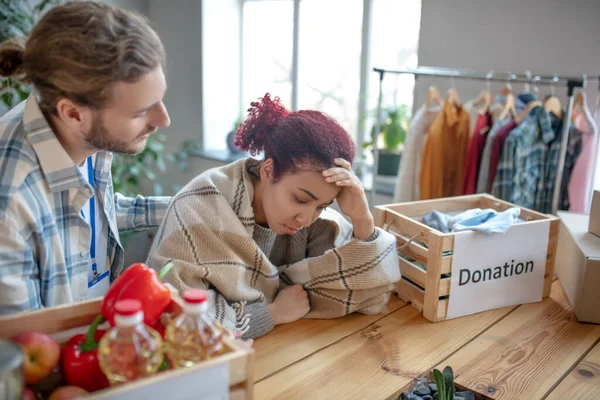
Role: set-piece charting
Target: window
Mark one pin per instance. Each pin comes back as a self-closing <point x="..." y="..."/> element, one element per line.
<point x="221" y="65"/>
<point x="394" y="45"/>
<point x="267" y="52"/>
<point x="329" y="57"/>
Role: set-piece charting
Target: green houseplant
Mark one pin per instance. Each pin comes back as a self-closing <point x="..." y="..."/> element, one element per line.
<point x="17" y="19"/>
<point x="440" y="386"/>
<point x="444" y="381"/>
<point x="394" y="123"/>
<point x="128" y="171"/>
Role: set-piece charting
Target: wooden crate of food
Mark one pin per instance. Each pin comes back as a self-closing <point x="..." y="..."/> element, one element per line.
<point x="63" y="322"/>
<point x="419" y="245"/>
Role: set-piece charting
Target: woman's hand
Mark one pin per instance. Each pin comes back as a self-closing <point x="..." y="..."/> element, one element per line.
<point x="248" y="342"/>
<point x="352" y="200"/>
<point x="290" y="304"/>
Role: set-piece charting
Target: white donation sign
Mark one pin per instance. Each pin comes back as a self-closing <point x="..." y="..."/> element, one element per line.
<point x="499" y="269"/>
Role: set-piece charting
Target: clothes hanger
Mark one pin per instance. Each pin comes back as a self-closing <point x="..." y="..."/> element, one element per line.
<point x="484" y="99"/>
<point x="509" y="103"/>
<point x="580" y="100"/>
<point x="526" y="86"/>
<point x="536" y="89"/>
<point x="486" y="96"/>
<point x="453" y="97"/>
<point x="433" y="95"/>
<point x="532" y="104"/>
<point x="508" y="88"/>
<point x="509" y="107"/>
<point x="488" y="100"/>
<point x="552" y="103"/>
<point x="528" y="108"/>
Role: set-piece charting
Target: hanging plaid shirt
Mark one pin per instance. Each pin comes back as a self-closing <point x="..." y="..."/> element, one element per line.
<point x="44" y="241"/>
<point x="574" y="146"/>
<point x="521" y="168"/>
<point x="533" y="137"/>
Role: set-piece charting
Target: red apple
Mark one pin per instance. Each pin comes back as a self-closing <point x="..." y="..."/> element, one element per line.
<point x="29" y="394"/>
<point x="41" y="355"/>
<point x="68" y="393"/>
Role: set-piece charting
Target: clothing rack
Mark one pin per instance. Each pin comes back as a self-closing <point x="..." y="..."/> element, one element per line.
<point x="570" y="82"/>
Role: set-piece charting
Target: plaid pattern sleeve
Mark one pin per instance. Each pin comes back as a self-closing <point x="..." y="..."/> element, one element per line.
<point x="139" y="213"/>
<point x="534" y="135"/>
<point x="19" y="290"/>
<point x="503" y="181"/>
<point x="544" y="202"/>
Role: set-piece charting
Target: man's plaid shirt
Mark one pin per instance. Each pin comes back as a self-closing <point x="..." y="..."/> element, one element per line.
<point x="44" y="240"/>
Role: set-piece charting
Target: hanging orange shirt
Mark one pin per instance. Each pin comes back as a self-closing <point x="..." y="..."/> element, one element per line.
<point x="443" y="163"/>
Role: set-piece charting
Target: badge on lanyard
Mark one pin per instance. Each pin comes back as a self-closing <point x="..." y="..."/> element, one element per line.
<point x="96" y="277"/>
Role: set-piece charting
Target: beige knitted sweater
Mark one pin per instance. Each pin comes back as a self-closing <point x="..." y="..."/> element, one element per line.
<point x="210" y="235"/>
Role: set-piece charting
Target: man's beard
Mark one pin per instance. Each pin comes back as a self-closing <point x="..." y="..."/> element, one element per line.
<point x="99" y="138"/>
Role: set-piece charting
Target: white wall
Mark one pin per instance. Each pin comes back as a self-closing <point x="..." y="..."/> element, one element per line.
<point x="544" y="36"/>
<point x="178" y="23"/>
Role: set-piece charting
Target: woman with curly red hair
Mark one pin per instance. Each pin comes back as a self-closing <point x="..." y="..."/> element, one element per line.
<point x="259" y="237"/>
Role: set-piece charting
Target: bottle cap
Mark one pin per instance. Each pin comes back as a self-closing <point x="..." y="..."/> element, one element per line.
<point x="195" y="296"/>
<point x="128" y="307"/>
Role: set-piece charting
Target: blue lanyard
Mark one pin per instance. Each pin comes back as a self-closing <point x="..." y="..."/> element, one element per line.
<point x="92" y="217"/>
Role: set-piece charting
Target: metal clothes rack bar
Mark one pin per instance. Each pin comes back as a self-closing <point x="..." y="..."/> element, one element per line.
<point x="571" y="82"/>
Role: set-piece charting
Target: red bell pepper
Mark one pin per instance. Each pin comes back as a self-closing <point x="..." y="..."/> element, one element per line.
<point x="79" y="359"/>
<point x="141" y="283"/>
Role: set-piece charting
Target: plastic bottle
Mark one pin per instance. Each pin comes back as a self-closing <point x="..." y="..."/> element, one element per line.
<point x="130" y="350"/>
<point x="193" y="336"/>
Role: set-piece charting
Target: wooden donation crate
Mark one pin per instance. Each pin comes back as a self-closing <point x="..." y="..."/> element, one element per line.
<point x="426" y="253"/>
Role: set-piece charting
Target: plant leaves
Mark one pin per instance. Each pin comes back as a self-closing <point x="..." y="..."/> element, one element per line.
<point x="17" y="18"/>
<point x="441" y="384"/>
<point x="135" y="169"/>
<point x="155" y="146"/>
<point x="150" y="175"/>
<point x="449" y="382"/>
<point x="160" y="163"/>
<point x="394" y="123"/>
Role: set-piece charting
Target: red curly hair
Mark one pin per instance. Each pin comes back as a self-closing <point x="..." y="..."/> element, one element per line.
<point x="293" y="139"/>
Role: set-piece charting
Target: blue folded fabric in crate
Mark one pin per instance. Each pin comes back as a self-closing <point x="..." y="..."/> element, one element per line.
<point x="486" y="221"/>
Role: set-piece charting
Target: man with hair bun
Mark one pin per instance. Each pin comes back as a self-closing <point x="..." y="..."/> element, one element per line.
<point x="97" y="73"/>
<point x="260" y="238"/>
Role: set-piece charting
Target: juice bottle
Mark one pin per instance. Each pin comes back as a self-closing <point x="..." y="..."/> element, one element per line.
<point x="130" y="350"/>
<point x="193" y="336"/>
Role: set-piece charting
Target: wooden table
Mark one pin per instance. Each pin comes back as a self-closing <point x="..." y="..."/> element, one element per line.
<point x="533" y="351"/>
